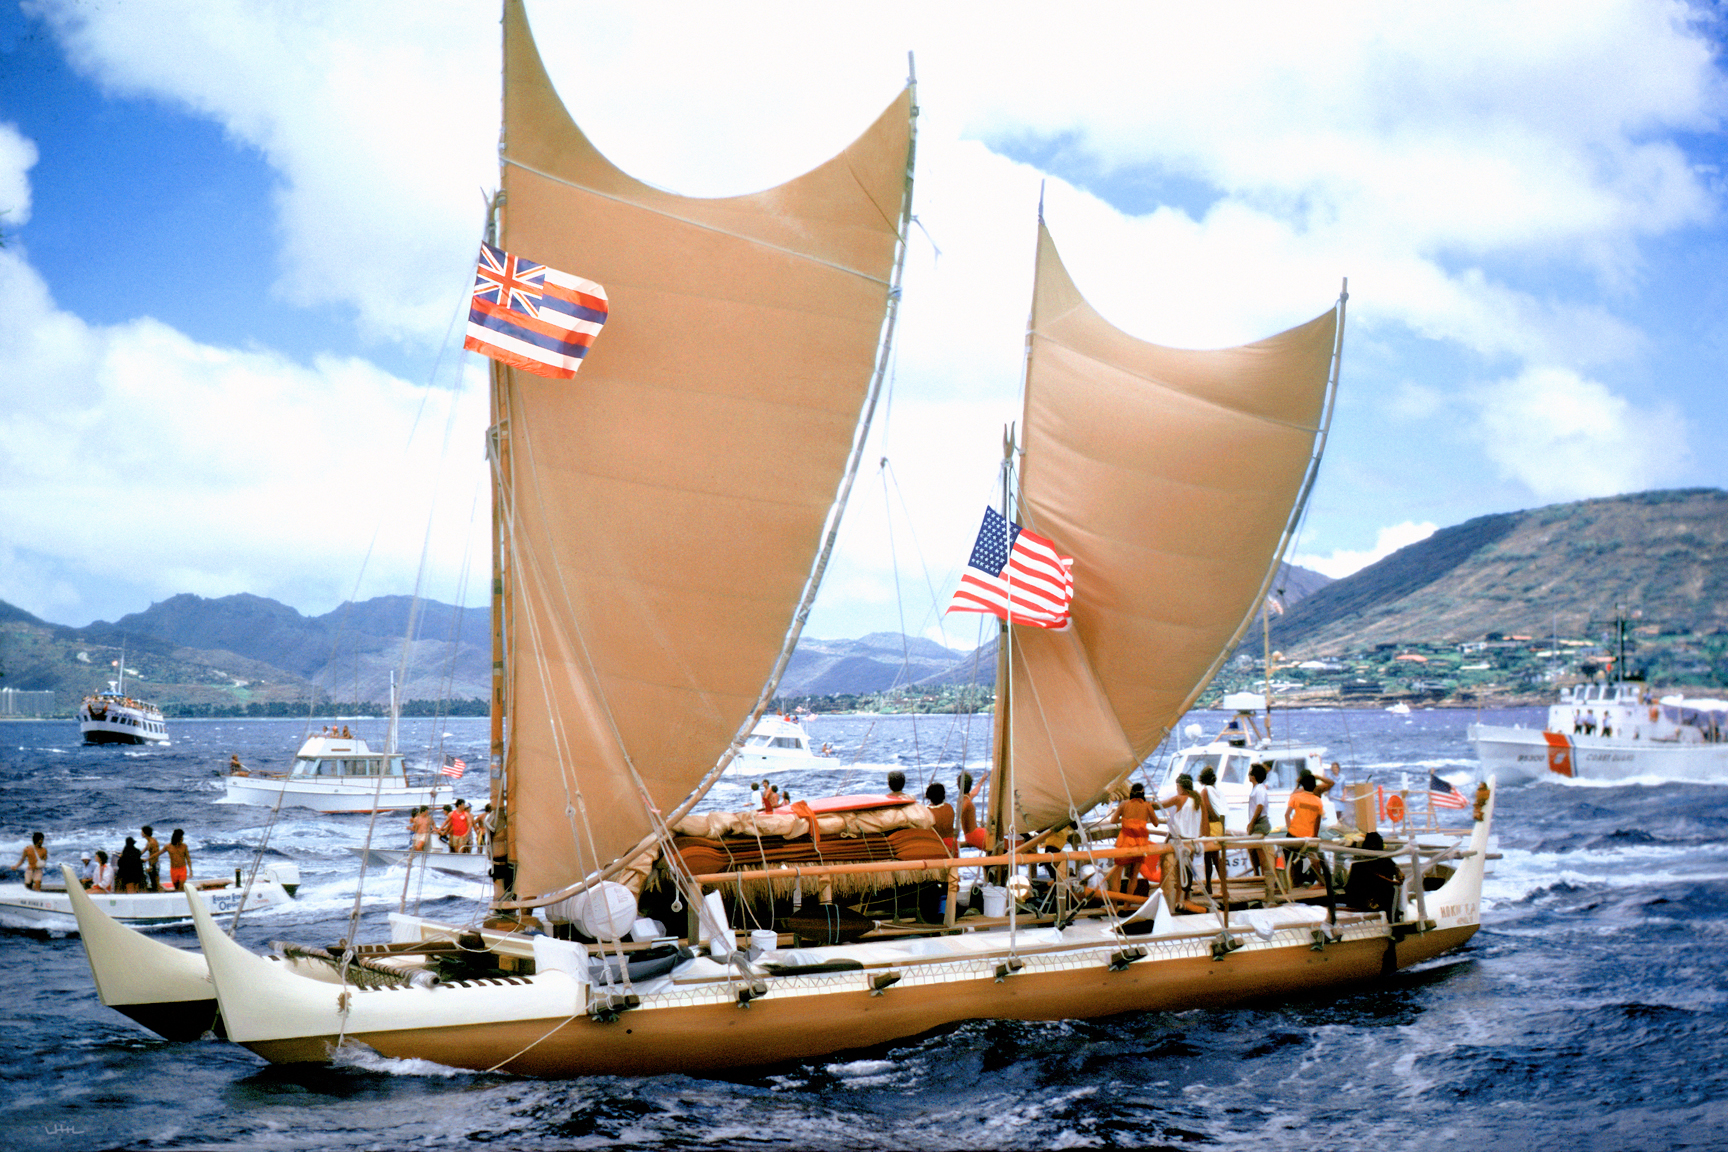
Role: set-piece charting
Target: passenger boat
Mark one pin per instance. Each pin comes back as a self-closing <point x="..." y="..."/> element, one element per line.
<point x="112" y="717"/>
<point x="52" y="907"/>
<point x="776" y="744"/>
<point x="1612" y="731"/>
<point x="648" y="569"/>
<point x="1235" y="749"/>
<point x="339" y="774"/>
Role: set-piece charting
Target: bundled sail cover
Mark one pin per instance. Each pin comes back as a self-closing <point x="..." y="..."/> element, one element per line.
<point x="1170" y="476"/>
<point x="662" y="510"/>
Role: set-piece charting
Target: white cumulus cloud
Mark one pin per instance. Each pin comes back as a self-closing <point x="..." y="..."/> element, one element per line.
<point x="1343" y="561"/>
<point x="1567" y="437"/>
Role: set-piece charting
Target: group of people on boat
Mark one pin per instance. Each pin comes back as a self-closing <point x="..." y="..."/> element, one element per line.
<point x="461" y="830"/>
<point x="136" y="868"/>
<point x="1372" y="883"/>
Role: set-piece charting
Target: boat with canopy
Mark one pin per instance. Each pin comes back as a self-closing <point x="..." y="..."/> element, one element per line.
<point x="645" y="568"/>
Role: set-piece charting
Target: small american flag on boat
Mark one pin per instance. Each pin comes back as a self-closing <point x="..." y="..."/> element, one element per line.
<point x="1443" y="795"/>
<point x="1013" y="570"/>
<point x="532" y="317"/>
<point x="454" y="766"/>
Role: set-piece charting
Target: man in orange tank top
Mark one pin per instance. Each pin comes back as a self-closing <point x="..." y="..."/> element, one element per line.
<point x="1302" y="819"/>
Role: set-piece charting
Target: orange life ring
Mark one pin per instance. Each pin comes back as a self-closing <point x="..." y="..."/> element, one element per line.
<point x="1395" y="809"/>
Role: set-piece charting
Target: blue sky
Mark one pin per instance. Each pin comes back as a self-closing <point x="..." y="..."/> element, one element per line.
<point x="238" y="236"/>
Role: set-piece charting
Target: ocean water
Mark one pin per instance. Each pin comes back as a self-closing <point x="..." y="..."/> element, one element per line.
<point x="1590" y="1012"/>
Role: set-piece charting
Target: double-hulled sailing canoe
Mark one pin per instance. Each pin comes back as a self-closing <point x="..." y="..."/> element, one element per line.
<point x="647" y="568"/>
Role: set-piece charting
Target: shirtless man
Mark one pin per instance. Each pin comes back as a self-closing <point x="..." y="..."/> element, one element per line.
<point x="33" y="859"/>
<point x="179" y="860"/>
<point x="152" y="859"/>
<point x="936" y="796"/>
<point x="420" y="825"/>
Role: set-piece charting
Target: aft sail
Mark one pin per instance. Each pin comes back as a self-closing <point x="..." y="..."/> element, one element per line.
<point x="1171" y="477"/>
<point x="661" y="514"/>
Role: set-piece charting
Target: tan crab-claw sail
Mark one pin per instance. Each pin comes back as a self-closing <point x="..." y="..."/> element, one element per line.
<point x="1174" y="479"/>
<point x="663" y="517"/>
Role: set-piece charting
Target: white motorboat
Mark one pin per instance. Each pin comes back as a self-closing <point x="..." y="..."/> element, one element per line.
<point x="1234" y="751"/>
<point x="776" y="744"/>
<point x="52" y="907"/>
<point x="1612" y="731"/>
<point x="339" y="774"/>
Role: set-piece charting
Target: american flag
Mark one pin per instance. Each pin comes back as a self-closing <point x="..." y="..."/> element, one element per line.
<point x="1443" y="795"/>
<point x="532" y="317"/>
<point x="454" y="766"/>
<point x="1013" y="570"/>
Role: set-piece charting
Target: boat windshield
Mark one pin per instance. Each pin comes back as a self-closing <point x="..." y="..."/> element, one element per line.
<point x="785" y="742"/>
<point x="334" y="767"/>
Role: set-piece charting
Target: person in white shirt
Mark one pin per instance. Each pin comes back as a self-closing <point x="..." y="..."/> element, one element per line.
<point x="1260" y="821"/>
<point x="103" y="878"/>
<point x="1212" y="803"/>
<point x="87" y="871"/>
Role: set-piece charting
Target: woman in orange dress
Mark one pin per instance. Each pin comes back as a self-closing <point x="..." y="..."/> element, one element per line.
<point x="1136" y="815"/>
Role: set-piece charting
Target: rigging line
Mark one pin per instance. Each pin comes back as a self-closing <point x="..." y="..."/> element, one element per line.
<point x="900" y="610"/>
<point x="346" y="997"/>
<point x="1062" y="774"/>
<point x="556" y="1028"/>
<point x="257" y="858"/>
<point x="567" y="773"/>
<point x="758" y="242"/>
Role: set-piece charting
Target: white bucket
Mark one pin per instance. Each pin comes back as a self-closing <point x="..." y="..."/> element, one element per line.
<point x="763" y="940"/>
<point x="995" y="900"/>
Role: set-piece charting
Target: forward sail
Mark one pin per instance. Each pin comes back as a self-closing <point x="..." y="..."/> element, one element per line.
<point x="1171" y="477"/>
<point x="662" y="513"/>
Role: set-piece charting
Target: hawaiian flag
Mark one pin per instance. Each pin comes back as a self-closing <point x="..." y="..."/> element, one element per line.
<point x="454" y="766"/>
<point x="532" y="317"/>
<point x="1015" y="575"/>
<point x="1443" y="795"/>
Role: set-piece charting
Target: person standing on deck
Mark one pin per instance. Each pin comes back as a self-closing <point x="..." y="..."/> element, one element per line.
<point x="33" y="859"/>
<point x="131" y="872"/>
<point x="1134" y="818"/>
<point x="1302" y="819"/>
<point x="1185" y="817"/>
<point x="1260" y="821"/>
<point x="420" y="828"/>
<point x="1213" y="815"/>
<point x="152" y="859"/>
<point x="179" y="860"/>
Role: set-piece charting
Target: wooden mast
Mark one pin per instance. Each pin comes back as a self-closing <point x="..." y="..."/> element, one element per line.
<point x="1000" y="751"/>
